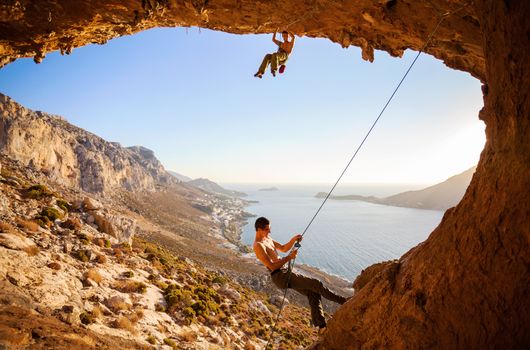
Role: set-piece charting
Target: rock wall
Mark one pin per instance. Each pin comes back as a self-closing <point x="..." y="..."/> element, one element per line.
<point x="31" y="28"/>
<point x="73" y="156"/>
<point x="465" y="287"/>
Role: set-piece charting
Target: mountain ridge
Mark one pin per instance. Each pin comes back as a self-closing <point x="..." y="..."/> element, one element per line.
<point x="441" y="196"/>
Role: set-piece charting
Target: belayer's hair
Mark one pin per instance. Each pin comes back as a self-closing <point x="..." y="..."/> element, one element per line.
<point x="261" y="223"/>
<point x="285" y="32"/>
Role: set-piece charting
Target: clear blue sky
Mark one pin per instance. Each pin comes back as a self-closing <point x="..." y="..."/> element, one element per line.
<point x="190" y="96"/>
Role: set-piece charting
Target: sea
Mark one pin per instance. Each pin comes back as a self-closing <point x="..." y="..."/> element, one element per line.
<point x="347" y="235"/>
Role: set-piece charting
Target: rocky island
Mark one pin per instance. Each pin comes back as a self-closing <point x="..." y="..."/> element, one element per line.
<point x="269" y="189"/>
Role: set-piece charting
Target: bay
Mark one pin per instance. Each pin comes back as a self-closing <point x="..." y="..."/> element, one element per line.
<point x="346" y="236"/>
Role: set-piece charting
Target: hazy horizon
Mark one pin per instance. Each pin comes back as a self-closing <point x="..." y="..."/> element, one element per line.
<point x="191" y="98"/>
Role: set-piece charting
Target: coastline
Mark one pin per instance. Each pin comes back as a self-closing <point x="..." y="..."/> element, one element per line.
<point x="230" y="214"/>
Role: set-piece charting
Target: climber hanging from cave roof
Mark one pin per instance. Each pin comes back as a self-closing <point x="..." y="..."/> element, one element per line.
<point x="279" y="58"/>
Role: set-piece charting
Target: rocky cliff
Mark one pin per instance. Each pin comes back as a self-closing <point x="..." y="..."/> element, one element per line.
<point x="468" y="284"/>
<point x="72" y="155"/>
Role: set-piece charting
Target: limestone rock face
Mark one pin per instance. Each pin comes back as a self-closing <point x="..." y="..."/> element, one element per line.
<point x="73" y="156"/>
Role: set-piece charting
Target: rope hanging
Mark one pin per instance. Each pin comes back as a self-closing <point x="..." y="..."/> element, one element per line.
<point x="442" y="16"/>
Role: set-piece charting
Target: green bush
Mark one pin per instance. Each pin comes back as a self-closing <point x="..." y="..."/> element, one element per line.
<point x="64" y="205"/>
<point x="107" y="243"/>
<point x="83" y="238"/>
<point x="151" y="340"/>
<point x="51" y="213"/>
<point x="128" y="274"/>
<point x="81" y="255"/>
<point x="38" y="192"/>
<point x="220" y="280"/>
<point x="43" y="221"/>
<point x="171" y="343"/>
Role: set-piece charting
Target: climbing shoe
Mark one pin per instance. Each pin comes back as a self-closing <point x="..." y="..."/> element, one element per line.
<point x="258" y="75"/>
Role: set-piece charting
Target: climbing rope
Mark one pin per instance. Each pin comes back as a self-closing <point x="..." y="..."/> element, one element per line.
<point x="441" y="16"/>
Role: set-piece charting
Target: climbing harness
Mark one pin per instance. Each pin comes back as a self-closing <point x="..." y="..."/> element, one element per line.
<point x="297" y="245"/>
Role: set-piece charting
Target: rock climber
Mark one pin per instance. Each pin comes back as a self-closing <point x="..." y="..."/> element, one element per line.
<point x="279" y="58"/>
<point x="266" y="249"/>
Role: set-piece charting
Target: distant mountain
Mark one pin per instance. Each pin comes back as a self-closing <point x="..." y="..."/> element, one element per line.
<point x="441" y="196"/>
<point x="73" y="156"/>
<point x="179" y="177"/>
<point x="211" y="186"/>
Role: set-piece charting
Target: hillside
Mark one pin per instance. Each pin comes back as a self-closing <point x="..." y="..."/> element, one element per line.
<point x="179" y="177"/>
<point x="129" y="264"/>
<point x="73" y="156"/>
<point x="441" y="196"/>
<point x="211" y="186"/>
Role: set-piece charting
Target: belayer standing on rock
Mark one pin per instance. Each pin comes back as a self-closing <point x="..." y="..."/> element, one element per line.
<point x="279" y="58"/>
<point x="266" y="248"/>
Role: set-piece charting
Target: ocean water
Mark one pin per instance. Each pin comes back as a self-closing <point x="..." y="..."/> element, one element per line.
<point x="346" y="236"/>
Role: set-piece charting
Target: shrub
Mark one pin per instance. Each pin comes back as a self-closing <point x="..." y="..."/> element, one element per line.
<point x="72" y="224"/>
<point x="220" y="280"/>
<point x="38" y="192"/>
<point x="43" y="221"/>
<point x="161" y="284"/>
<point x="54" y="266"/>
<point x="128" y="274"/>
<point x="107" y="243"/>
<point x="177" y="298"/>
<point x="64" y="205"/>
<point x="83" y="238"/>
<point x="101" y="259"/>
<point x="28" y="225"/>
<point x="126" y="246"/>
<point x="160" y="307"/>
<point x="82" y="255"/>
<point x="188" y="336"/>
<point x="31" y="250"/>
<point x="151" y="340"/>
<point x="124" y="323"/>
<point x="100" y="242"/>
<point x="97" y="312"/>
<point x="135" y="316"/>
<point x="86" y="318"/>
<point x="94" y="275"/>
<point x="171" y="343"/>
<point x="6" y="227"/>
<point x="117" y="303"/>
<point x="51" y="213"/>
<point x="130" y="286"/>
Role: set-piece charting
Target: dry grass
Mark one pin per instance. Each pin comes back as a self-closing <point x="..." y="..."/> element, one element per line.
<point x="117" y="304"/>
<point x="72" y="224"/>
<point x="127" y="286"/>
<point x="188" y="336"/>
<point x="32" y="250"/>
<point x="101" y="259"/>
<point x="97" y="312"/>
<point x="136" y="316"/>
<point x="27" y="225"/>
<point x="6" y="227"/>
<point x="124" y="323"/>
<point x="100" y="242"/>
<point x="54" y="266"/>
<point x="94" y="275"/>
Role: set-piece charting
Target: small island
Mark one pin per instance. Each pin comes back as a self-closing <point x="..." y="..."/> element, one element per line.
<point x="269" y="189"/>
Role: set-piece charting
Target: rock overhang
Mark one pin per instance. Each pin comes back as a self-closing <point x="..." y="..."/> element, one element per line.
<point x="35" y="28"/>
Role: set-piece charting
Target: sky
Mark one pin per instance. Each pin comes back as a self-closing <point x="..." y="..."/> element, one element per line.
<point x="190" y="96"/>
